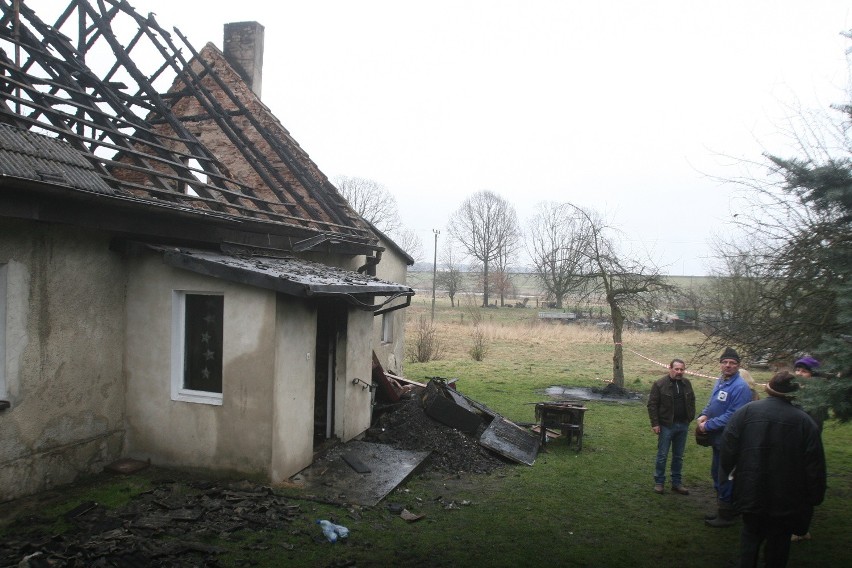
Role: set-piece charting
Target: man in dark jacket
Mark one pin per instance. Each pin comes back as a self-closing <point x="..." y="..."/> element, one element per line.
<point x="671" y="407"/>
<point x="774" y="453"/>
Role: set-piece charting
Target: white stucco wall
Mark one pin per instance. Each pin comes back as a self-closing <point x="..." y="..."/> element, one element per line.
<point x="235" y="436"/>
<point x="293" y="420"/>
<point x="64" y="333"/>
<point x="392" y="268"/>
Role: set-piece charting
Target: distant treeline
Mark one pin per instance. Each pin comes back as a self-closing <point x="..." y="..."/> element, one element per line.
<point x="525" y="284"/>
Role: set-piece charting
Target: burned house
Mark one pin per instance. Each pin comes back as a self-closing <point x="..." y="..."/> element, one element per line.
<point x="179" y="281"/>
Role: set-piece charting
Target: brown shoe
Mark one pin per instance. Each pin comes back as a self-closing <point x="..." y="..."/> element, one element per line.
<point x="680" y="489"/>
<point x="658" y="488"/>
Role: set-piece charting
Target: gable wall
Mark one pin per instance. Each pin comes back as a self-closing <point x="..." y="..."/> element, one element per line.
<point x="64" y="356"/>
<point x="292" y="189"/>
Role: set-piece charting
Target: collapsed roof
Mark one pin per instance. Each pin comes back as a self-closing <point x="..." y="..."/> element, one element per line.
<point x="164" y="124"/>
<point x="109" y="121"/>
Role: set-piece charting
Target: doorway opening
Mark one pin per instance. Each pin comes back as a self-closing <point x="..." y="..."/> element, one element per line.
<point x="331" y="324"/>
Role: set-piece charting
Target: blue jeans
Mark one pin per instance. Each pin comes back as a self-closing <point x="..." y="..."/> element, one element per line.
<point x="674" y="436"/>
<point x="724" y="487"/>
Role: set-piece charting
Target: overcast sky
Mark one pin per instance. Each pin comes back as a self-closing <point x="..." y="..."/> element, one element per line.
<point x="629" y="108"/>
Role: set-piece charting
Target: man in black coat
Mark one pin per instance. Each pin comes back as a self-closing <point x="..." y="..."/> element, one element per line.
<point x="774" y="453"/>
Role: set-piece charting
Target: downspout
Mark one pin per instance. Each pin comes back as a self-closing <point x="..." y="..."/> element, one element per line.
<point x="369" y="267"/>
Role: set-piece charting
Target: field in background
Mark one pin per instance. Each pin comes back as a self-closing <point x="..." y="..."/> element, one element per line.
<point x="525" y="285"/>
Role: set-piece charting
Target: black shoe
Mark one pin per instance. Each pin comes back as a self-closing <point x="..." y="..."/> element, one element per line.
<point x="720" y="523"/>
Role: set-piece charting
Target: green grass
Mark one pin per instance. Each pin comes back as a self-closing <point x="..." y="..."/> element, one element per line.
<point x="590" y="508"/>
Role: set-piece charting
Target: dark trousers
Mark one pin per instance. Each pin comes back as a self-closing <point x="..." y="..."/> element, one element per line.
<point x="804" y="524"/>
<point x="776" y="531"/>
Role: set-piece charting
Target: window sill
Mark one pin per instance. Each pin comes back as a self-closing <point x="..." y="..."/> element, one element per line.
<point x="198" y="397"/>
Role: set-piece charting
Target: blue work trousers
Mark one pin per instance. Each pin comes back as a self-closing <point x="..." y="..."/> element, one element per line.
<point x="724" y="487"/>
<point x="673" y="437"/>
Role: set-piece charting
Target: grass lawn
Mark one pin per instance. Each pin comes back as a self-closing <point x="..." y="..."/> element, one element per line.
<point x="590" y="508"/>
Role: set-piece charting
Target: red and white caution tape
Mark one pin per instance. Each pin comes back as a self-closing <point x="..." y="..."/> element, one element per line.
<point x="693" y="373"/>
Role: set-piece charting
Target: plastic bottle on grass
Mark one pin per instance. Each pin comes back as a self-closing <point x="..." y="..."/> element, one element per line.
<point x="342" y="532"/>
<point x="328" y="530"/>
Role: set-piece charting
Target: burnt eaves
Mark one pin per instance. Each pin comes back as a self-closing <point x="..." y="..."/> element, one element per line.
<point x="292" y="276"/>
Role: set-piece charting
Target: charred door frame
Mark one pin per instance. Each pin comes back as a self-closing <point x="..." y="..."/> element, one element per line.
<point x="331" y="336"/>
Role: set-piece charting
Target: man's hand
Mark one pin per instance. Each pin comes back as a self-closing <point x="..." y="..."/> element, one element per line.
<point x="656" y="430"/>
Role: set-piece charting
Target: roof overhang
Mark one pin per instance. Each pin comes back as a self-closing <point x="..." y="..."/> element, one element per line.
<point x="292" y="276"/>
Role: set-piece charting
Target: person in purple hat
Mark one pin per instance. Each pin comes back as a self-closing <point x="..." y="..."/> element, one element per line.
<point x="806" y="367"/>
<point x="805" y="370"/>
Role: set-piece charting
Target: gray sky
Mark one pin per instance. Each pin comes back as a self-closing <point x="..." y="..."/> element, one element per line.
<point x="629" y="108"/>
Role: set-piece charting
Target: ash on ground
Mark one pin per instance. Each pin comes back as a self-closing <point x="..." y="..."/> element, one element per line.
<point x="610" y="393"/>
<point x="406" y="426"/>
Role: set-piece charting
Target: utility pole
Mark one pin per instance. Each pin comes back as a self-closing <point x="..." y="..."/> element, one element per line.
<point x="434" y="271"/>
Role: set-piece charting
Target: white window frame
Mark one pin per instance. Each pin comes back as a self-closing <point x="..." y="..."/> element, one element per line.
<point x="179" y="393"/>
<point x="387" y="327"/>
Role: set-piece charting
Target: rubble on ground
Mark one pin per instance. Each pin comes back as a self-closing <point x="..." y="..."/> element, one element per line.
<point x="168" y="525"/>
<point x="171" y="523"/>
<point x="405" y="425"/>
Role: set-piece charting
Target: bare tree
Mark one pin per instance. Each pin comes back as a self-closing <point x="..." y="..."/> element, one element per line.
<point x="372" y="201"/>
<point x="450" y="277"/>
<point x="502" y="277"/>
<point x="486" y="225"/>
<point x="558" y="236"/>
<point x="409" y="241"/>
<point x="622" y="282"/>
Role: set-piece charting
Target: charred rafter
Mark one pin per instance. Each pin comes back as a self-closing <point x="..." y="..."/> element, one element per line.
<point x="122" y="118"/>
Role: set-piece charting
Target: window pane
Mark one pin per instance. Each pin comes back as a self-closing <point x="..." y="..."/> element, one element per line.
<point x="203" y="347"/>
<point x="387" y="327"/>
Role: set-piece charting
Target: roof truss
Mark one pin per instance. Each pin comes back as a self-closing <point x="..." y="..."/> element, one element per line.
<point x="116" y="115"/>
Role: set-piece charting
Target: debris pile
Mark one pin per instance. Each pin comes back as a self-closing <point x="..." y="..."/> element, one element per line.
<point x="165" y="526"/>
<point x="405" y="425"/>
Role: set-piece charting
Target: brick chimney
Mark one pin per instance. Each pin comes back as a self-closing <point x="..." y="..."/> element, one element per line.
<point x="243" y="48"/>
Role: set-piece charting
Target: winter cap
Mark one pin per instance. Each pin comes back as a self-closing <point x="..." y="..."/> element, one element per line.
<point x="729" y="353"/>
<point x="808" y="363"/>
<point x="782" y="385"/>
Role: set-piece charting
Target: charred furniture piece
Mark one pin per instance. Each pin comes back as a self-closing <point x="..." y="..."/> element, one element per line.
<point x="565" y="416"/>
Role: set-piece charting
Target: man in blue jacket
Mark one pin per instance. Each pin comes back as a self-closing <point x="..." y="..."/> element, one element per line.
<point x="729" y="394"/>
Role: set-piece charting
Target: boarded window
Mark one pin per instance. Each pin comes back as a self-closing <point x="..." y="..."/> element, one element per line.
<point x="203" y="343"/>
<point x="197" y="343"/>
